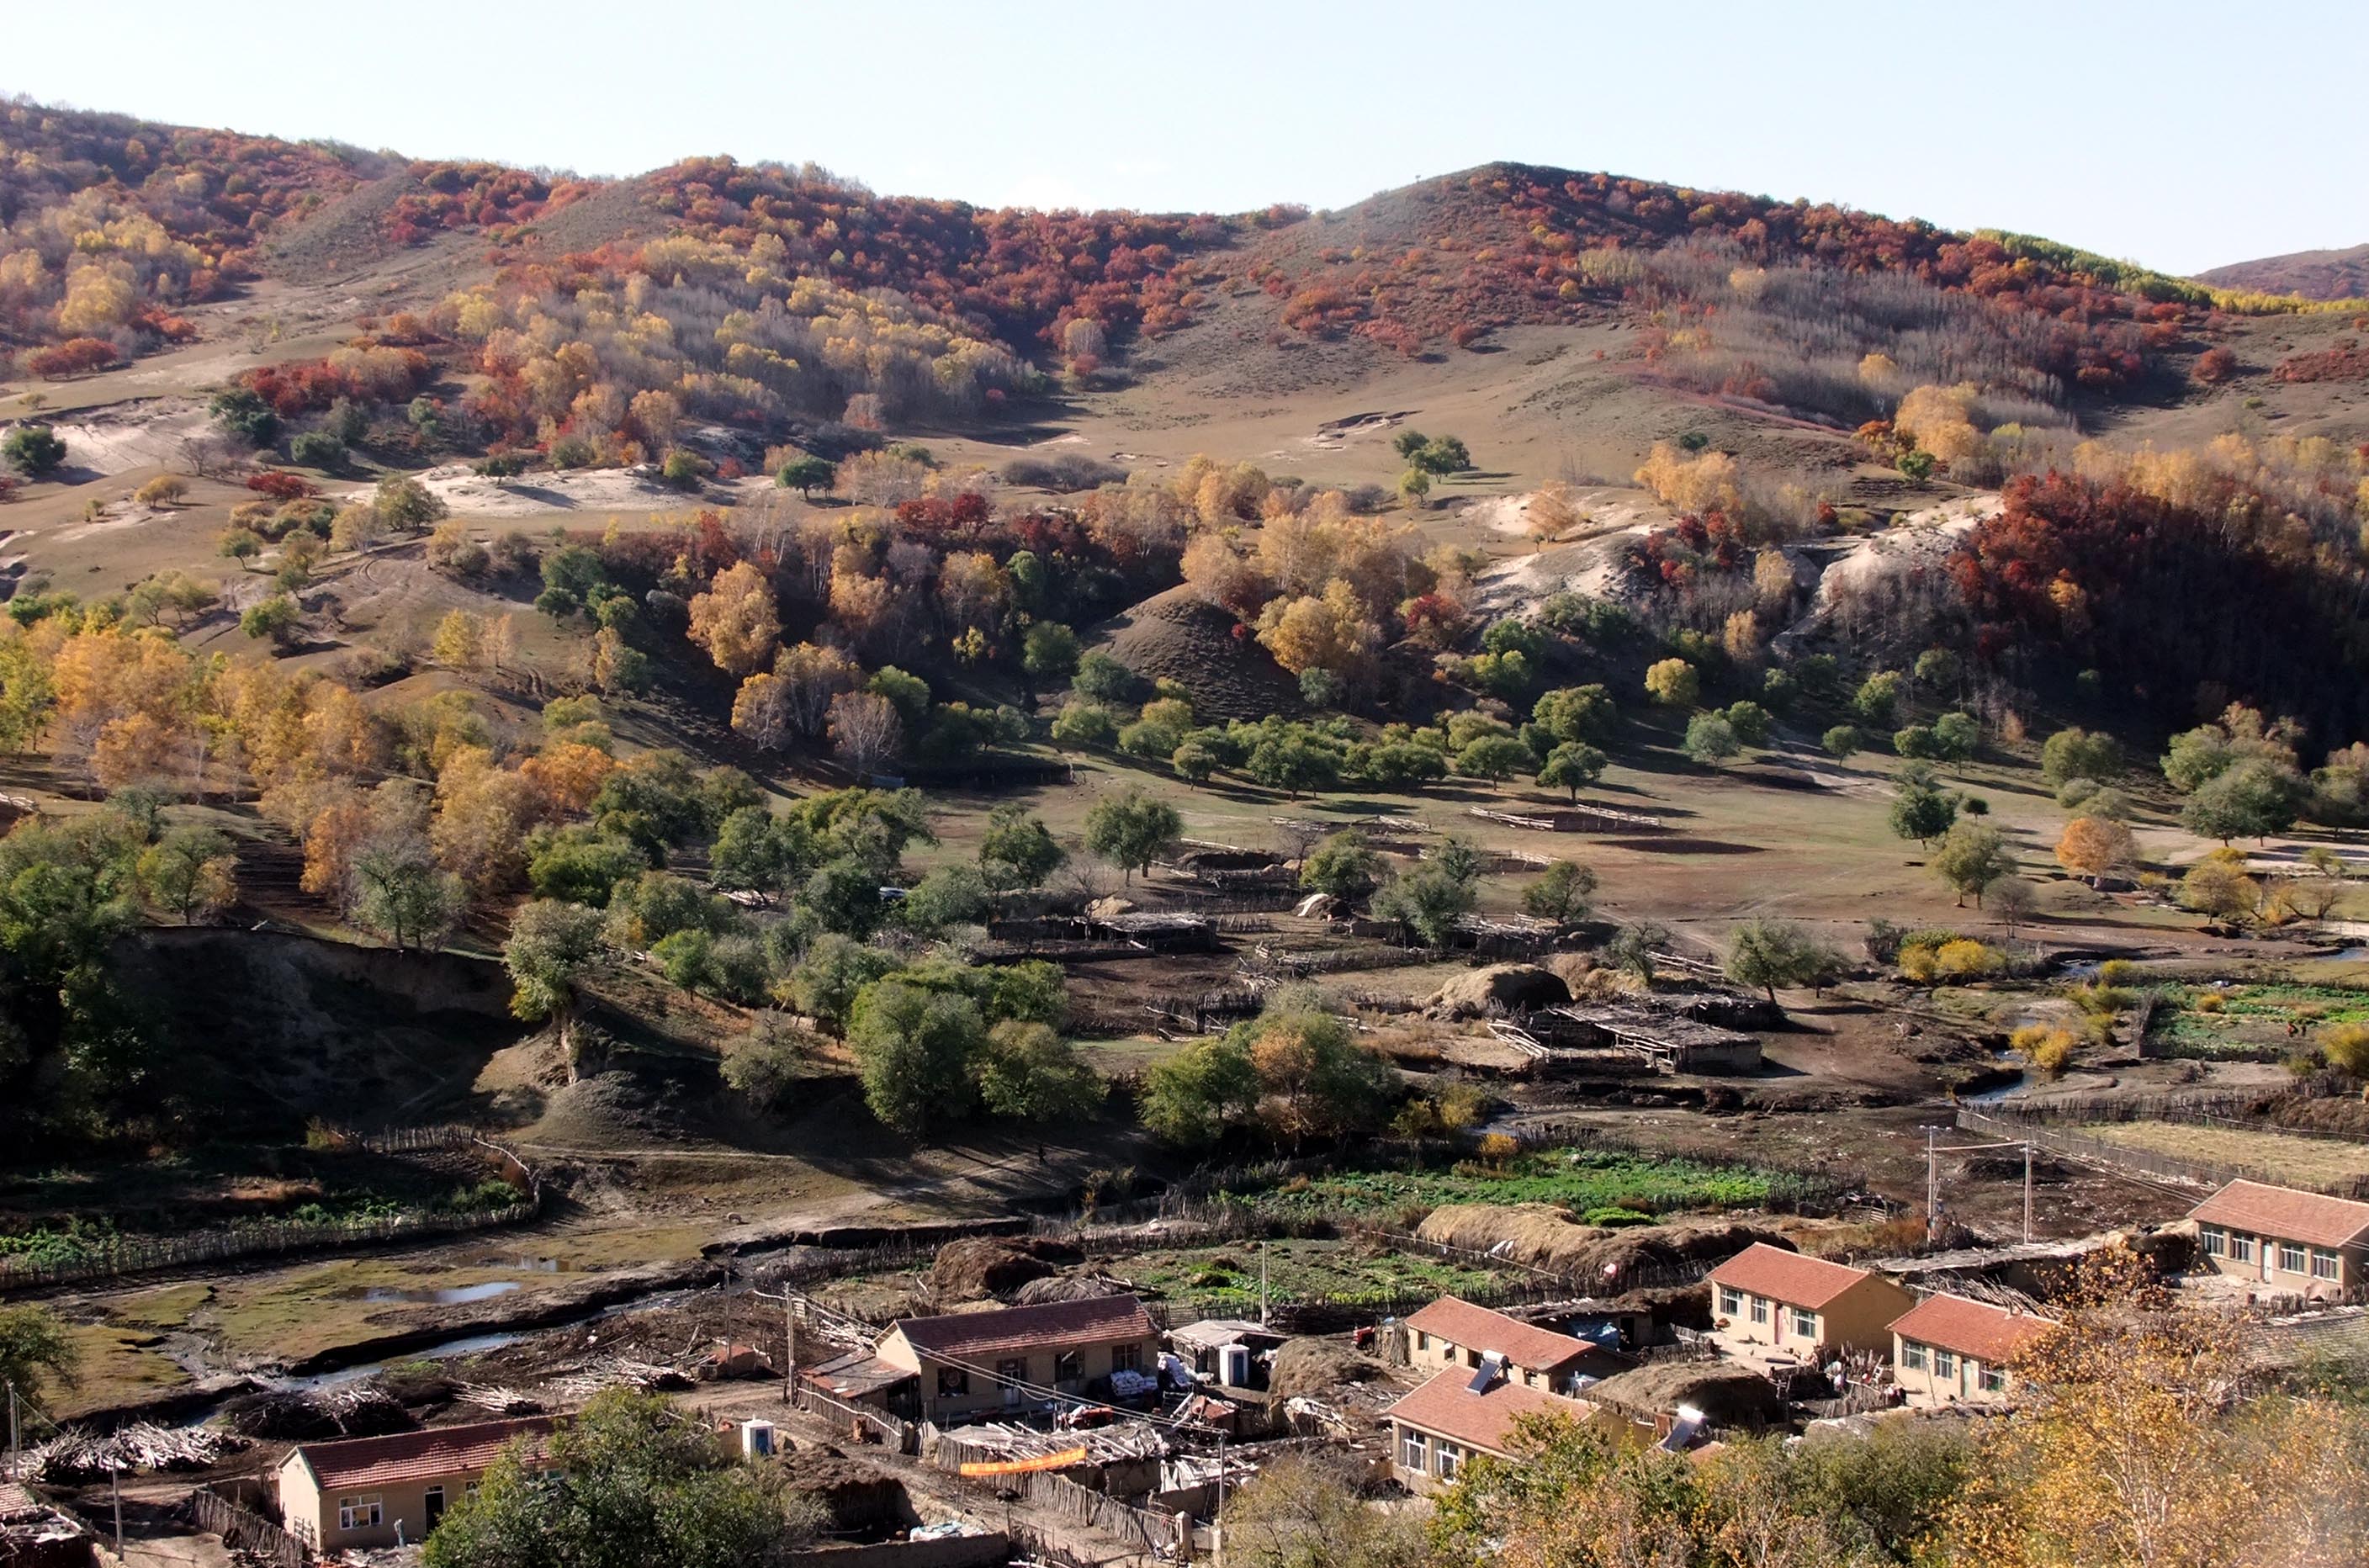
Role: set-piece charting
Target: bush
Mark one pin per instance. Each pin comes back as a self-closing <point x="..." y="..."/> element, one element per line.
<point x="2346" y="1048"/>
<point x="33" y="449"/>
<point x="2049" y="1050"/>
<point x="317" y="449"/>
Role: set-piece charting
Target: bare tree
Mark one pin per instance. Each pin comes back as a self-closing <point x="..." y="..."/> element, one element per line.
<point x="864" y="730"/>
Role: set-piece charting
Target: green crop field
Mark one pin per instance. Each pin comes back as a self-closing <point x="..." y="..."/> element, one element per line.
<point x="1577" y="1179"/>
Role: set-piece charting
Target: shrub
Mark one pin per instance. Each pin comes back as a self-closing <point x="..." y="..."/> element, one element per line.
<point x="2346" y="1048"/>
<point x="317" y="449"/>
<point x="1967" y="959"/>
<point x="2049" y="1050"/>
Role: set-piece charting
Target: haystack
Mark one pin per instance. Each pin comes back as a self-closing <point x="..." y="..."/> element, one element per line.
<point x="1314" y="1369"/>
<point x="980" y="1267"/>
<point x="1509" y="988"/>
<point x="1068" y="1287"/>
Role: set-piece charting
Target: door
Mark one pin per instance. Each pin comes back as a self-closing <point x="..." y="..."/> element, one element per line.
<point x="434" y="1511"/>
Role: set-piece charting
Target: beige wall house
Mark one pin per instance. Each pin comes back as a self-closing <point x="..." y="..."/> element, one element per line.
<point x="1766" y="1300"/>
<point x="974" y="1362"/>
<point x="1951" y="1350"/>
<point x="1436" y="1430"/>
<point x="2306" y="1244"/>
<point x="364" y="1492"/>
<point x="1452" y="1333"/>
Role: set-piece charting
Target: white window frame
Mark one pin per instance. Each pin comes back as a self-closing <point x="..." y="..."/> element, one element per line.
<point x="1731" y="1301"/>
<point x="2216" y="1242"/>
<point x="1415" y="1450"/>
<point x="1991" y="1381"/>
<point x="1945" y="1364"/>
<point x="1805" y="1322"/>
<point x="2241" y="1247"/>
<point x="349" y="1508"/>
<point x="2326" y="1264"/>
<point x="2293" y="1257"/>
<point x="1912" y="1356"/>
<point x="1445" y="1459"/>
<point x="1760" y="1311"/>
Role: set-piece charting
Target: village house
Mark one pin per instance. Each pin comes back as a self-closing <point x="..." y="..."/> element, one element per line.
<point x="1454" y="1333"/>
<point x="2306" y="1244"/>
<point x="370" y="1492"/>
<point x="1766" y="1299"/>
<point x="970" y="1362"/>
<point x="1950" y="1349"/>
<point x="1436" y="1430"/>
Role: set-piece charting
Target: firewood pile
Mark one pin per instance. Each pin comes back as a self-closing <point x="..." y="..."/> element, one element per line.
<point x="76" y="1457"/>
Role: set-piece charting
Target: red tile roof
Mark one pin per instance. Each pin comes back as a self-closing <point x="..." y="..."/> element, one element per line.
<point x="1527" y="1346"/>
<point x="1990" y="1335"/>
<point x="2286" y="1214"/>
<point x="1101" y="1319"/>
<point x="1446" y="1407"/>
<point x="356" y="1462"/>
<point x="1789" y="1277"/>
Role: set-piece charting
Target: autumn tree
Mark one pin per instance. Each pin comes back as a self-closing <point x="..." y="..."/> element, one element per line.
<point x="1674" y="683"/>
<point x="2095" y="847"/>
<point x="736" y="620"/>
<point x="864" y="730"/>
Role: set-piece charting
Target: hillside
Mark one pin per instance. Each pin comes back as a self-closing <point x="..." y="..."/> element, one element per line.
<point x="2313" y="274"/>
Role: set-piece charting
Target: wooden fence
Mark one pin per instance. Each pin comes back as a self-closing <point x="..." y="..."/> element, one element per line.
<point x="1164" y="1534"/>
<point x="140" y="1254"/>
<point x="245" y="1532"/>
<point x="2243" y="1112"/>
<point x="2165" y="1167"/>
<point x="898" y="1436"/>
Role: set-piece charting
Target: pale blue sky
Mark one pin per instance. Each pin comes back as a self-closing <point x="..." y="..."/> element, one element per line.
<point x="2179" y="134"/>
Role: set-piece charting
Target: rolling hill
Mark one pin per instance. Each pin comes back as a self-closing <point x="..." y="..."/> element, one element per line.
<point x="2314" y="274"/>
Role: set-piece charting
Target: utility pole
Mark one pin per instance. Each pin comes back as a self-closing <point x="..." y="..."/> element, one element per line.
<point x="115" y="1486"/>
<point x="1217" y="1519"/>
<point x="789" y="1348"/>
<point x="1262" y="1286"/>
<point x="1932" y="1183"/>
<point x="14" y="1442"/>
<point x="2026" y="1189"/>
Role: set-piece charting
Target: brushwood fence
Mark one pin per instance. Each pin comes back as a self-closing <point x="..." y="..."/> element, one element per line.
<point x="244" y="1530"/>
<point x="1164" y="1534"/>
<point x="116" y="1255"/>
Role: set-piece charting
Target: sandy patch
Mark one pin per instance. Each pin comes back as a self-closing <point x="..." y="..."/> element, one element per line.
<point x="468" y="493"/>
<point x="137" y="435"/>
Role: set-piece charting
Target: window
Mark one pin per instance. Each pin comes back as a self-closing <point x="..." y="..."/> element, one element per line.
<point x="1069" y="1366"/>
<point x="1945" y="1364"/>
<point x="1415" y="1453"/>
<point x="1760" y="1311"/>
<point x="1731" y="1302"/>
<point x="2216" y="1242"/>
<point x="1912" y="1356"/>
<point x="2241" y="1247"/>
<point x="469" y="1490"/>
<point x="1472" y="1360"/>
<point x="2291" y="1257"/>
<point x="1421" y="1340"/>
<point x="357" y="1512"/>
<point x="1993" y="1381"/>
<point x="1012" y="1370"/>
<point x="1447" y="1460"/>
<point x="953" y="1380"/>
<point x="2323" y="1264"/>
<point x="1805" y="1323"/>
<point x="1127" y="1357"/>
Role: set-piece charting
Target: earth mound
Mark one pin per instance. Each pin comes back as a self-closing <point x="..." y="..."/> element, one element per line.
<point x="994" y="1267"/>
<point x="1498" y="988"/>
<point x="1178" y="635"/>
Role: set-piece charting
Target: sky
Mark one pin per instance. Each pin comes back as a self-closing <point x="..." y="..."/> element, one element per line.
<point x="2178" y="135"/>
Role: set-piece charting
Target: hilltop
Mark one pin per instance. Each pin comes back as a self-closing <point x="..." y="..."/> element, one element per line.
<point x="2313" y="274"/>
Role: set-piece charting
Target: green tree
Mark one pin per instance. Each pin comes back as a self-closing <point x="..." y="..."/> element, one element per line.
<point x="551" y="944"/>
<point x="1560" y="893"/>
<point x="1495" y="757"/>
<point x="34" y="1350"/>
<point x="1315" y="1081"/>
<point x="1956" y="736"/>
<point x="1191" y="1098"/>
<point x="756" y="852"/>
<point x="189" y="870"/>
<point x="2072" y="754"/>
<point x="1029" y="1073"/>
<point x="245" y="414"/>
<point x="1842" y="740"/>
<point x="1342" y="865"/>
<point x="2251" y="798"/>
<point x="1572" y="766"/>
<point x="630" y="1483"/>
<point x="948" y="896"/>
<point x="1710" y="739"/>
<point x="1293" y="762"/>
<point x="914" y="1048"/>
<point x="1102" y="678"/>
<point x="832" y="973"/>
<point x="1443" y="455"/>
<point x="1634" y="947"/>
<point x="1771" y="953"/>
<point x="1428" y="899"/>
<point x="1132" y="830"/>
<point x="1413" y="485"/>
<point x="806" y="475"/>
<point x="1972" y="855"/>
<point x="317" y="449"/>
<point x="34" y="451"/>
<point x="1921" y="809"/>
<point x="1017" y="850"/>
<point x="1577" y="714"/>
<point x="402" y="895"/>
<point x="581" y="863"/>
<point x="1877" y="702"/>
<point x="1049" y="651"/>
<point x="276" y="618"/>
<point x="1749" y="720"/>
<point x="1084" y="724"/>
